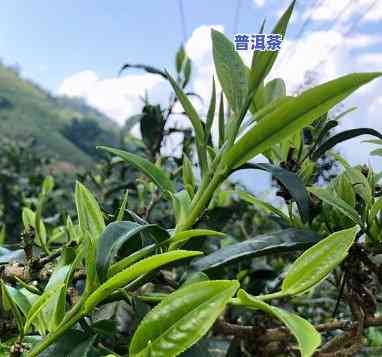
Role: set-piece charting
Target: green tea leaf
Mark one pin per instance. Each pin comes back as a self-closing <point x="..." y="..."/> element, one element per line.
<point x="245" y="196"/>
<point x="333" y="200"/>
<point x="184" y="236"/>
<point x="131" y="259"/>
<point x="231" y="71"/>
<point x="341" y="137"/>
<point x="54" y="311"/>
<point x="47" y="185"/>
<point x="115" y="235"/>
<point x="310" y="268"/>
<point x="221" y="121"/>
<point x="290" y="181"/>
<point x="293" y="116"/>
<point x="211" y="112"/>
<point x="38" y="306"/>
<point x="122" y="209"/>
<point x="287" y="240"/>
<point x="181" y="202"/>
<point x="306" y="335"/>
<point x="10" y="305"/>
<point x="196" y="123"/>
<point x="126" y="276"/>
<point x="262" y="61"/>
<point x="148" y="69"/>
<point x="188" y="176"/>
<point x="89" y="213"/>
<point x="182" y="318"/>
<point x="273" y="90"/>
<point x="179" y="59"/>
<point x="73" y="343"/>
<point x="157" y="175"/>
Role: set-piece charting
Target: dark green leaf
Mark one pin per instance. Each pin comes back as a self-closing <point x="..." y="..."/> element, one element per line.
<point x="279" y="242"/>
<point x="115" y="235"/>
<point x="343" y="136"/>
<point x="290" y="181"/>
<point x="148" y="69"/>
<point x="156" y="174"/>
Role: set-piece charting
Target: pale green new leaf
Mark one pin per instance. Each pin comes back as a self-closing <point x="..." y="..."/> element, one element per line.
<point x="293" y="116"/>
<point x="181" y="202"/>
<point x="231" y="71"/>
<point x="122" y="209"/>
<point x="211" y="111"/>
<point x="156" y="174"/>
<point x="184" y="236"/>
<point x="306" y="335"/>
<point x="317" y="262"/>
<point x="273" y="90"/>
<point x="195" y="121"/>
<point x="335" y="201"/>
<point x="188" y="176"/>
<point x="47" y="185"/>
<point x="126" y="276"/>
<point x="38" y="306"/>
<point x="182" y="318"/>
<point x="262" y="61"/>
<point x="89" y="213"/>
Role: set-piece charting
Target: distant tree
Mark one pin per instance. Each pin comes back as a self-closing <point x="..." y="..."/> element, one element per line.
<point x="87" y="134"/>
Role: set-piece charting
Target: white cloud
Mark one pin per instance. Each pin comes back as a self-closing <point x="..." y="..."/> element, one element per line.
<point x="328" y="53"/>
<point x="259" y="3"/>
<point x="344" y="10"/>
<point x="118" y="97"/>
<point x="360" y="40"/>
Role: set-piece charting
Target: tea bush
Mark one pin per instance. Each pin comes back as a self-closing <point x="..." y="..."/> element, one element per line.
<point x="304" y="282"/>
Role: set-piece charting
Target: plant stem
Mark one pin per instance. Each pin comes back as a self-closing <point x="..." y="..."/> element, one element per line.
<point x="202" y="198"/>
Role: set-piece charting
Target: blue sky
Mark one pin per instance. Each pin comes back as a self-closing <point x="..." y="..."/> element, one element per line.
<point x="53" y="40"/>
<point x="77" y="47"/>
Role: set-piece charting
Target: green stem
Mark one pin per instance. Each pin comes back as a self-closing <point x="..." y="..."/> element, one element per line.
<point x="202" y="198"/>
<point x="53" y="336"/>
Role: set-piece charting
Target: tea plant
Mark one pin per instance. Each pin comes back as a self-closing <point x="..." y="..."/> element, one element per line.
<point x="174" y="295"/>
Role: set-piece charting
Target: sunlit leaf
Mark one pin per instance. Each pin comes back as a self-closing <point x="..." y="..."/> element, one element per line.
<point x="131" y="273"/>
<point x="182" y="318"/>
<point x="306" y="335"/>
<point x="231" y="71"/>
<point x="293" y="116"/>
<point x="317" y="262"/>
<point x="89" y="213"/>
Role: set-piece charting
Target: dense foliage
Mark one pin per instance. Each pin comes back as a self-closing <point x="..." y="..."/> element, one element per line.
<point x="164" y="256"/>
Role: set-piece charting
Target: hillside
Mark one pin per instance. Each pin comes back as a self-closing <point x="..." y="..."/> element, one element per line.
<point x="29" y="112"/>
